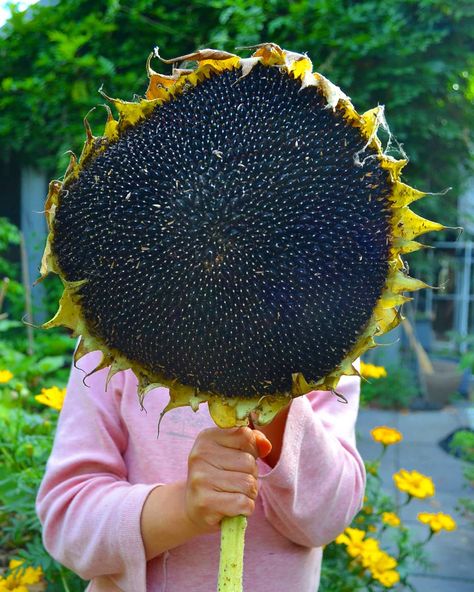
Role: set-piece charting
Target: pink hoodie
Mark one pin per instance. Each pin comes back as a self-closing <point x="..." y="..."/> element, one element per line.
<point x="107" y="459"/>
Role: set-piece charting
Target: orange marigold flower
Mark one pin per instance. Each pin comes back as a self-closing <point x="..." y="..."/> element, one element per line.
<point x="386" y="436"/>
<point x="414" y="483"/>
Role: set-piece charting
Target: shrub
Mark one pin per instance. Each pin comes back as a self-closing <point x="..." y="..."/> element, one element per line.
<point x="395" y="390"/>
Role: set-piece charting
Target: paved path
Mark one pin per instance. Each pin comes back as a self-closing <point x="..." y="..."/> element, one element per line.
<point x="451" y="553"/>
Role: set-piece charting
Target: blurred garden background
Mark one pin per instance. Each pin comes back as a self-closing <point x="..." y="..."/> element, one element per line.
<point x="416" y="57"/>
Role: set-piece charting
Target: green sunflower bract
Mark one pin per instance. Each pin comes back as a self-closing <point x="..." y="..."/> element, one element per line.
<point x="235" y="236"/>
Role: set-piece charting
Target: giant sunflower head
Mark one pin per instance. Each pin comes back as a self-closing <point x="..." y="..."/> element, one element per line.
<point x="235" y="236"/>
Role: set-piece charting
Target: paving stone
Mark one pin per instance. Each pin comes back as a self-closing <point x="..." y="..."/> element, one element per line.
<point x="429" y="584"/>
<point x="371" y="450"/>
<point x="428" y="426"/>
<point x="370" y="418"/>
<point x="449" y="552"/>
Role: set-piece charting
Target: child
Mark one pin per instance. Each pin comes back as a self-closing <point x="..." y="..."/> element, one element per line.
<point x="134" y="513"/>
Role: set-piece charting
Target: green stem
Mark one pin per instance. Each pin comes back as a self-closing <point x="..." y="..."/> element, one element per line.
<point x="406" y="502"/>
<point x="64" y="581"/>
<point x="381" y="455"/>
<point x="231" y="564"/>
<point x="430" y="536"/>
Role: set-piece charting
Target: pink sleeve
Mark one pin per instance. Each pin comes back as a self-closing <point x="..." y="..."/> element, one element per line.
<point x="90" y="513"/>
<point x="317" y="486"/>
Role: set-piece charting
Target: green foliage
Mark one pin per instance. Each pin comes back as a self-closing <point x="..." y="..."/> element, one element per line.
<point x="25" y="444"/>
<point x="47" y="359"/>
<point x="414" y="56"/>
<point x="335" y="577"/>
<point x="394" y="391"/>
<point x="465" y="344"/>
<point x="462" y="445"/>
<point x="56" y="58"/>
<point x="28" y="429"/>
<point x="10" y="269"/>
<point x="47" y="365"/>
<point x="9" y="235"/>
<point x="467" y="359"/>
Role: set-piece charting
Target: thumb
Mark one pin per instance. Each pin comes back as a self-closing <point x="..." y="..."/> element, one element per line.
<point x="264" y="445"/>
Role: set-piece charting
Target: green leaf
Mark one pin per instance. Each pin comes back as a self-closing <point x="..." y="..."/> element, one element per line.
<point x="50" y="364"/>
<point x="6" y="325"/>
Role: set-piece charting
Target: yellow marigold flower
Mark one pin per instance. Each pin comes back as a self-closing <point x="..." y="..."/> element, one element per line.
<point x="438" y="521"/>
<point x="52" y="397"/>
<point x="353" y="538"/>
<point x="370" y="552"/>
<point x="414" y="483"/>
<point x="388" y="578"/>
<point x="367" y="551"/>
<point x="372" y="371"/>
<point x="391" y="519"/>
<point x="381" y="562"/>
<point x="5" y="376"/>
<point x="386" y="436"/>
<point x="20" y="577"/>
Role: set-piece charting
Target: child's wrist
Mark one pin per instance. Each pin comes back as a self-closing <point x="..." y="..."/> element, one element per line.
<point x="188" y="525"/>
<point x="176" y="496"/>
<point x="165" y="523"/>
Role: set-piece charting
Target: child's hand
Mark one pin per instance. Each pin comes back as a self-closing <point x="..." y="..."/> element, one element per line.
<point x="222" y="475"/>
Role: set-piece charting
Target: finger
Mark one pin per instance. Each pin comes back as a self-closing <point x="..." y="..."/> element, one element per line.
<point x="237" y="438"/>
<point x="235" y="482"/>
<point x="229" y="459"/>
<point x="230" y="504"/>
<point x="205" y="478"/>
<point x="264" y="446"/>
<point x="251" y="440"/>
